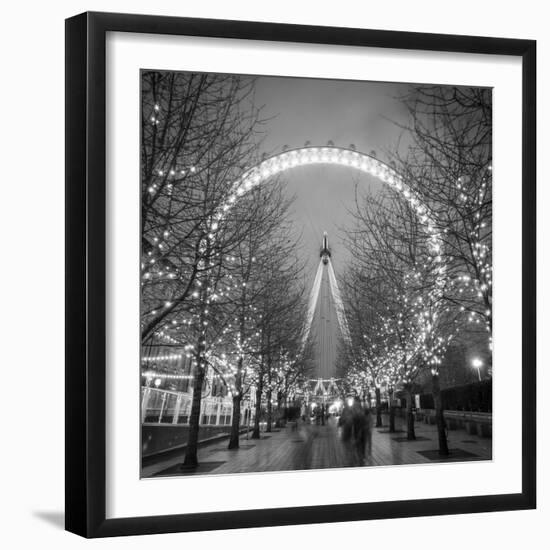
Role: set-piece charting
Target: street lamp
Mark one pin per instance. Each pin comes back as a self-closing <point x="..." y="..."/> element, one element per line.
<point x="477" y="363"/>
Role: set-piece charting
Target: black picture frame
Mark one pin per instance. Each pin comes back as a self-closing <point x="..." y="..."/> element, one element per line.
<point x="86" y="274"/>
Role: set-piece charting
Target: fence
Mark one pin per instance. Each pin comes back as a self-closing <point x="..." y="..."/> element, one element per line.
<point x="170" y="407"/>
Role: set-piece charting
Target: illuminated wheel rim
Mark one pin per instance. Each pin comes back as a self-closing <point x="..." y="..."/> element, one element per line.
<point x="367" y="164"/>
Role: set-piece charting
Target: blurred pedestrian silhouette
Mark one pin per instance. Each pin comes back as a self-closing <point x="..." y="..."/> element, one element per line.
<point x="356" y="425"/>
<point x="359" y="428"/>
<point x="368" y="431"/>
<point x="346" y="423"/>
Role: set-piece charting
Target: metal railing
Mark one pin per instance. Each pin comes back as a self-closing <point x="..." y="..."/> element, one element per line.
<point x="170" y="407"/>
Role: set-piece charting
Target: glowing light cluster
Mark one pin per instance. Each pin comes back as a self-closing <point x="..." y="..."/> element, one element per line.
<point x="271" y="167"/>
<point x="166" y="375"/>
<point x="322" y="155"/>
<point x="340" y="156"/>
<point x="164" y="357"/>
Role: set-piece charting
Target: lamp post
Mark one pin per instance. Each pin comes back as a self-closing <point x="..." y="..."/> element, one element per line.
<point x="477" y="363"/>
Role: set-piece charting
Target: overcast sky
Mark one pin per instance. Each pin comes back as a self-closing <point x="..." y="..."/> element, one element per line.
<point x="318" y="111"/>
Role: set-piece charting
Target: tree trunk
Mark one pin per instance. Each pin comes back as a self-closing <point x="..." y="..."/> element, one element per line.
<point x="269" y="411"/>
<point x="392" y="412"/>
<point x="378" y="408"/>
<point x="258" y="409"/>
<point x="439" y="418"/>
<point x="269" y="390"/>
<point x="191" y="459"/>
<point x="235" y="424"/>
<point x="237" y="396"/>
<point x="279" y="421"/>
<point x="410" y="416"/>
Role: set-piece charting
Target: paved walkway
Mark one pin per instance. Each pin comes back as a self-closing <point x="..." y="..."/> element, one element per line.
<point x="316" y="447"/>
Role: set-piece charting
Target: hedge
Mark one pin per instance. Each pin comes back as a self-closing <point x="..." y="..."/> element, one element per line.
<point x="476" y="397"/>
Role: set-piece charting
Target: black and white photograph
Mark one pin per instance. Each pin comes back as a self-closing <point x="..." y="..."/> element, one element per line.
<point x="316" y="273"/>
<point x="274" y="274"/>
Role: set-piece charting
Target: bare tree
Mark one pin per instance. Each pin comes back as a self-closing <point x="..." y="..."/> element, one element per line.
<point x="259" y="283"/>
<point x="199" y="132"/>
<point x="286" y="352"/>
<point x="450" y="166"/>
<point x="393" y="292"/>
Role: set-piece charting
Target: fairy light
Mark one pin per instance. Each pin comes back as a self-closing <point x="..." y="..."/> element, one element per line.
<point x="162" y="357"/>
<point x="301" y="157"/>
<point x="340" y="156"/>
<point x="166" y="375"/>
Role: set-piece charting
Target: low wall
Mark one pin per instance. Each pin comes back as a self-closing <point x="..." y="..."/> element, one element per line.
<point x="474" y="423"/>
<point x="157" y="438"/>
<point x="477" y="396"/>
